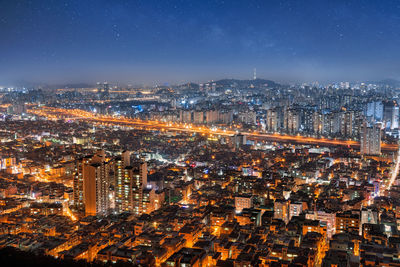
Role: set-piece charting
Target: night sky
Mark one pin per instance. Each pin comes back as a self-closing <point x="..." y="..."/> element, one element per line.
<point x="150" y="42"/>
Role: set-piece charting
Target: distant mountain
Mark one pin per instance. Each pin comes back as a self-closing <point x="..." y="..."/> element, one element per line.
<point x="73" y="85"/>
<point x="245" y="83"/>
<point x="229" y="83"/>
<point x="390" y="82"/>
<point x="188" y="86"/>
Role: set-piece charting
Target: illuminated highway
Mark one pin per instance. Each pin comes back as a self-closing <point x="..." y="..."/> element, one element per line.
<point x="77" y="114"/>
<point x="395" y="170"/>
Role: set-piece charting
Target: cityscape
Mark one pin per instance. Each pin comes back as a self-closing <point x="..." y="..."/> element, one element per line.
<point x="107" y="163"/>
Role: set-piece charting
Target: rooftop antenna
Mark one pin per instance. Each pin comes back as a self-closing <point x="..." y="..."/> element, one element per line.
<point x="255" y="74"/>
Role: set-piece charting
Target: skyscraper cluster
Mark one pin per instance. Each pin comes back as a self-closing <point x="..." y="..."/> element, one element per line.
<point x="103" y="185"/>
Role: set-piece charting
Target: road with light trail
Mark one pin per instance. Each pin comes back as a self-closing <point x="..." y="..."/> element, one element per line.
<point x="81" y="115"/>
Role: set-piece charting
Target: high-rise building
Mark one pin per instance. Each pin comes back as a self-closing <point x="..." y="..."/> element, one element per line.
<point x="78" y="190"/>
<point x="370" y="139"/>
<point x="272" y="122"/>
<point x="331" y="123"/>
<point x="103" y="89"/>
<point x="96" y="185"/>
<point x="18" y="108"/>
<point x="139" y="183"/>
<point x="358" y="122"/>
<point x="211" y="116"/>
<point x="307" y="123"/>
<point x="123" y="182"/>
<point x="225" y="117"/>
<point x="336" y="122"/>
<point x="395" y="118"/>
<point x="374" y="110"/>
<point x="130" y="186"/>
<point x="213" y="87"/>
<point x="346" y="123"/>
<point x="207" y="87"/>
<point x="198" y="117"/>
<point x="291" y="121"/>
<point x="318" y="122"/>
<point x="91" y="186"/>
<point x="391" y="114"/>
<point x="185" y="116"/>
<point x="249" y="117"/>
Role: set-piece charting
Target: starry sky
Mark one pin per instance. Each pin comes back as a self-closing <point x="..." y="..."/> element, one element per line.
<point x="174" y="41"/>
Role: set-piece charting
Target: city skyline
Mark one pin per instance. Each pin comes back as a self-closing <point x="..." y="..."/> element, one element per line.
<point x="227" y="173"/>
<point x="153" y="42"/>
<point x="200" y="133"/>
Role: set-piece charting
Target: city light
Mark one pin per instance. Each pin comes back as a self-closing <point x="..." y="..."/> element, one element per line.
<point x="200" y="133"/>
